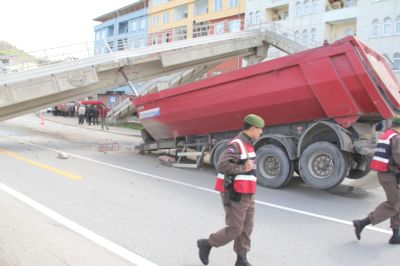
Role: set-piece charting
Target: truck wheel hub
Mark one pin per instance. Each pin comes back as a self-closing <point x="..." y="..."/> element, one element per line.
<point x="272" y="166"/>
<point x="322" y="165"/>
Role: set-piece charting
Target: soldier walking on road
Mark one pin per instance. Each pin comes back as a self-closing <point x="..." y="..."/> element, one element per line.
<point x="386" y="162"/>
<point x="237" y="183"/>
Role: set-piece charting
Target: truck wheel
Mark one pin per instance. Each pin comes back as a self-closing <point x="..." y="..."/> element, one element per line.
<point x="357" y="173"/>
<point x="323" y="165"/>
<point x="274" y="169"/>
<point x="217" y="153"/>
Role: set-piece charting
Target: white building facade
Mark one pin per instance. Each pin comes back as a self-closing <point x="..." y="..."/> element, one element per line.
<point x="375" y="22"/>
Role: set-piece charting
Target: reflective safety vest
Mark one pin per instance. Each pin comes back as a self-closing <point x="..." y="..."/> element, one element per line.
<point x="380" y="161"/>
<point x="246" y="182"/>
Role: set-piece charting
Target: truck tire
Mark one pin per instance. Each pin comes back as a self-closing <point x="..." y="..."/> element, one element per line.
<point x="323" y="165"/>
<point x="357" y="173"/>
<point x="217" y="153"/>
<point x="274" y="169"/>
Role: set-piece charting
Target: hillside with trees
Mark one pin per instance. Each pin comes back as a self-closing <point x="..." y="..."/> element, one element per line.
<point x="9" y="50"/>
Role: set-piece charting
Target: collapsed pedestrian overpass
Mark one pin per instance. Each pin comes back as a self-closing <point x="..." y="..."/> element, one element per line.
<point x="31" y="90"/>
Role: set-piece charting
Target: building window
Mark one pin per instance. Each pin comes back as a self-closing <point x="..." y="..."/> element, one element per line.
<point x="200" y="7"/>
<point x="98" y="35"/>
<point x="233" y="3"/>
<point x="217" y="5"/>
<point x="307" y="7"/>
<point x="297" y="36"/>
<point x="155" y="21"/>
<point x="110" y="31"/>
<point x="234" y="26"/>
<point x="165" y="17"/>
<point x="155" y="39"/>
<point x="305" y="37"/>
<point x="313" y="36"/>
<point x="375" y="28"/>
<point x="398" y="25"/>
<point x="258" y="17"/>
<point x="143" y="24"/>
<point x="396" y="61"/>
<point x="123" y="27"/>
<point x="219" y="28"/>
<point x="387" y="26"/>
<point x="165" y="37"/>
<point x="298" y="9"/>
<point x="181" y="12"/>
<point x="134" y="25"/>
<point x="251" y="18"/>
<point x="180" y="33"/>
<point x="315" y="6"/>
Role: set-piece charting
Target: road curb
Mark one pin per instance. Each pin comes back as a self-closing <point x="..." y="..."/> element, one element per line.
<point x="96" y="129"/>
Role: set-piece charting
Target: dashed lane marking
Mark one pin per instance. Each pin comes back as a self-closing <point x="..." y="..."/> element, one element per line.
<point x="40" y="165"/>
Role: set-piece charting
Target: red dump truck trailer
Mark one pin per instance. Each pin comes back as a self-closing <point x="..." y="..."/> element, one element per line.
<point x="321" y="107"/>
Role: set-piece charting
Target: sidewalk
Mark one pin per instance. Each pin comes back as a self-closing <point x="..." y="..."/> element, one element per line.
<point x="73" y="121"/>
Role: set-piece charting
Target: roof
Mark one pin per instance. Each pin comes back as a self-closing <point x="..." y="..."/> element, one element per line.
<point x="141" y="4"/>
<point x="92" y="102"/>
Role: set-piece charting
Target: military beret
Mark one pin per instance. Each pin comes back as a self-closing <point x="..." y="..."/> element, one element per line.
<point x="254" y="120"/>
<point x="396" y="121"/>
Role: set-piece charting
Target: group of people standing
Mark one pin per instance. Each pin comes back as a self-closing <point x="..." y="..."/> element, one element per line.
<point x="91" y="114"/>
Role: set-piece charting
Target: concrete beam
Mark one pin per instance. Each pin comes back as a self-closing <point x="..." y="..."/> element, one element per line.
<point x="36" y="89"/>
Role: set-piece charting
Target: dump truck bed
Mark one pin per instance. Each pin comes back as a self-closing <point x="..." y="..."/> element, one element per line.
<point x="345" y="81"/>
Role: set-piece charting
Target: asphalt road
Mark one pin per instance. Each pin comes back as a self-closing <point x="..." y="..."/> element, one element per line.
<point x="121" y="208"/>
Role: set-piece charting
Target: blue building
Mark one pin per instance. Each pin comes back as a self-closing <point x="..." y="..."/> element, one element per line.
<point x="124" y="28"/>
<point x="121" y="29"/>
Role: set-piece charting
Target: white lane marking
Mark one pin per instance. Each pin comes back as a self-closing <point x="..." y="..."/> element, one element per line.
<point x="97" y="239"/>
<point x="315" y="215"/>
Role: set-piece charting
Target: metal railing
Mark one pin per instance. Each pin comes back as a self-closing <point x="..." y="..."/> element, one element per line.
<point x="120" y="107"/>
<point x="131" y="41"/>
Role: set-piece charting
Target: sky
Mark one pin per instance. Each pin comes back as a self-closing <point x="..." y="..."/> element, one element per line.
<point x="33" y="25"/>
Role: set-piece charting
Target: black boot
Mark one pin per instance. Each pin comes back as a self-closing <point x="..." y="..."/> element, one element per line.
<point x="242" y="261"/>
<point x="359" y="226"/>
<point x="204" y="250"/>
<point x="395" y="239"/>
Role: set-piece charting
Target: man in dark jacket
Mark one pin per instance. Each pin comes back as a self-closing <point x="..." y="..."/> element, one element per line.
<point x="237" y="182"/>
<point x="386" y="161"/>
<point x="96" y="114"/>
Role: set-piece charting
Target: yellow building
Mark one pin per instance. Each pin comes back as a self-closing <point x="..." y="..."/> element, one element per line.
<point x="172" y="20"/>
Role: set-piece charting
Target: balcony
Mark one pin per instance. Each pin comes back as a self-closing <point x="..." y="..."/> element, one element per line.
<point x="277" y="14"/>
<point x="338" y="11"/>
